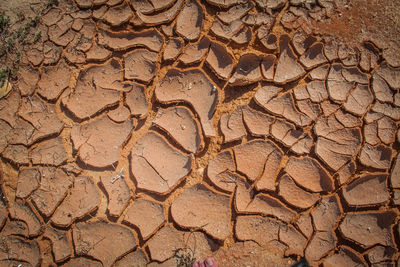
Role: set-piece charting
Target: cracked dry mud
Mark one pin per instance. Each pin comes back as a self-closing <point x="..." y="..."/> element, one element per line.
<point x="146" y="132"/>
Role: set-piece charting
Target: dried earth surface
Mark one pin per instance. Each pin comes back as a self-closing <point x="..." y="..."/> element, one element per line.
<point x="155" y="133"/>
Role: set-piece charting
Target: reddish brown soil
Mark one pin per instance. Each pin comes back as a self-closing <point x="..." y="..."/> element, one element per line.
<point x="156" y="133"/>
<point x="359" y="21"/>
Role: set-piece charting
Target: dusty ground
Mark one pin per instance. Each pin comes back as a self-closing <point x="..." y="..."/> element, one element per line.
<point x="138" y="133"/>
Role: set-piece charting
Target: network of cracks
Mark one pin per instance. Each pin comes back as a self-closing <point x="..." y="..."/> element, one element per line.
<point x="142" y="130"/>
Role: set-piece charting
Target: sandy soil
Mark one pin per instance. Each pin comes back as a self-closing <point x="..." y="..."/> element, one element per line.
<point x="154" y="133"/>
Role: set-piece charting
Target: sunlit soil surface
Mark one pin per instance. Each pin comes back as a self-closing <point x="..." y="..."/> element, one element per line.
<point x="156" y="133"/>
